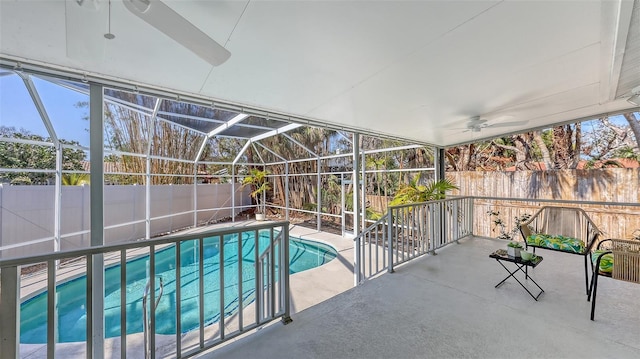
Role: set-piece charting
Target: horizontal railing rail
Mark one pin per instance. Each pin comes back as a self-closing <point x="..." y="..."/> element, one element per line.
<point x="613" y="219"/>
<point x="371" y="258"/>
<point x="421" y="228"/>
<point x="229" y="269"/>
<point x="410" y="231"/>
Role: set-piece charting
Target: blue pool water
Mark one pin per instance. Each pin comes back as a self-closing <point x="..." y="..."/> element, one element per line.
<point x="303" y="255"/>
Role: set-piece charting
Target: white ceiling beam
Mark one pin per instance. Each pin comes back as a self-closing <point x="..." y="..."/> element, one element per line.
<point x="37" y="101"/>
<point x="283" y="129"/>
<point x="218" y="130"/>
<point x="257" y="152"/>
<point x="226" y="125"/>
<point x="242" y="151"/>
<point x="300" y="144"/>
<point x="271" y="151"/>
<point x="616" y="20"/>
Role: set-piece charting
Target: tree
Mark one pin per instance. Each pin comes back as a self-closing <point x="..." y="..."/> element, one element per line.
<point x="608" y="139"/>
<point x="21" y="155"/>
<point x="598" y="141"/>
<point x="170" y="144"/>
<point x="634" y="124"/>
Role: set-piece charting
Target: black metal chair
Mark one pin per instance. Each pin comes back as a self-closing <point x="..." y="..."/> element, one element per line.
<point x="617" y="259"/>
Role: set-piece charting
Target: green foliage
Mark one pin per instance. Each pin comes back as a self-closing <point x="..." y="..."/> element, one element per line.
<point x="594" y="163"/>
<point x="373" y="215"/>
<point x="499" y="223"/>
<point x="35" y="156"/>
<point x="331" y="192"/>
<point x="21" y="180"/>
<point x="75" y="179"/>
<point x="309" y="206"/>
<point x="514" y="245"/>
<point x="416" y="193"/>
<point x="257" y="179"/>
<point x="628" y="153"/>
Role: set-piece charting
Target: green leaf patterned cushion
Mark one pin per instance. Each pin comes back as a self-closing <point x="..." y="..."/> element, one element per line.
<point x="562" y="243"/>
<point x="606" y="263"/>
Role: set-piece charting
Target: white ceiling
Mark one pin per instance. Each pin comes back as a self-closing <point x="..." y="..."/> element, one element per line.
<point x="412" y="69"/>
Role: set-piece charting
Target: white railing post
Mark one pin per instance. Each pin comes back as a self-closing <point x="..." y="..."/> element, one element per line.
<point x="284" y="273"/>
<point x="471" y="214"/>
<point x="10" y="312"/>
<point x="319" y="198"/>
<point x="390" y="238"/>
<point x="342" y="205"/>
<point x="356" y="261"/>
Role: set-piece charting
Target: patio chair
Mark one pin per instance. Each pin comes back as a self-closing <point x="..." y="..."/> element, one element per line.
<point x="563" y="229"/>
<point x="617" y="259"/>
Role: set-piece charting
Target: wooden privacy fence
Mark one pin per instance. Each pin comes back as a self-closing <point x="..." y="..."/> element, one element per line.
<point x="615" y="221"/>
<point x="610" y="196"/>
<point x="600" y="192"/>
<point x="620" y="185"/>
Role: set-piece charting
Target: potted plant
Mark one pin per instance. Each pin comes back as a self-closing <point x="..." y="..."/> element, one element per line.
<point x="513" y="249"/>
<point x="257" y="179"/>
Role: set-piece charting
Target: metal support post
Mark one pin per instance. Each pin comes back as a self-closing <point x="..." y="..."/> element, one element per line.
<point x="233" y="193"/>
<point x="390" y="238"/>
<point x="363" y="164"/>
<point x="357" y="273"/>
<point x="284" y="259"/>
<point x="318" y="199"/>
<point x="147" y="199"/>
<point x="356" y="183"/>
<point x="342" y="204"/>
<point x="2" y="206"/>
<point x="57" y="202"/>
<point x="96" y="133"/>
<point x="470" y="215"/>
<point x="442" y="217"/>
<point x="10" y="312"/>
<point x="439" y="163"/>
<point x="147" y="178"/>
<point x="195" y="194"/>
<point x="286" y="190"/>
<point x="44" y="116"/>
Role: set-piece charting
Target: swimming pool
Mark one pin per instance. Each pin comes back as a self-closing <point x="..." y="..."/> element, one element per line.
<point x="303" y="255"/>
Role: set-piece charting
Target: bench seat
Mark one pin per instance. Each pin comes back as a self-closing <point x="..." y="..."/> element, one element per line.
<point x="557" y="242"/>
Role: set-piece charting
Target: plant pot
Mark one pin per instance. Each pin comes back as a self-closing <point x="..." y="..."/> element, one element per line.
<point x="259" y="216"/>
<point x="513" y="252"/>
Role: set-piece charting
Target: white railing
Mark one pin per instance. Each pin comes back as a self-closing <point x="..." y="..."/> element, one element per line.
<point x="409" y="231"/>
<point x="245" y="303"/>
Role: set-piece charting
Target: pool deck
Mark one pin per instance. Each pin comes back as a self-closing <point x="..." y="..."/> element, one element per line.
<point x="446" y="306"/>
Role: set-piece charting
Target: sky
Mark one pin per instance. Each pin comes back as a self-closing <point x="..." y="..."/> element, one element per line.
<point x="17" y="109"/>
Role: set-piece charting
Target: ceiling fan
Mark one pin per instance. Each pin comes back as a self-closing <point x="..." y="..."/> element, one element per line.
<point x="476" y="124"/>
<point x="155" y="13"/>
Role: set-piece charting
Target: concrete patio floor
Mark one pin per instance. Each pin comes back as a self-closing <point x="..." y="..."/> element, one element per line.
<point x="446" y="306"/>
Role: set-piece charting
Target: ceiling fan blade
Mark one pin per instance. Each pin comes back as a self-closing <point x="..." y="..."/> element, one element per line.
<point x="162" y="17"/>
<point x="509" y="124"/>
<point x="82" y="35"/>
